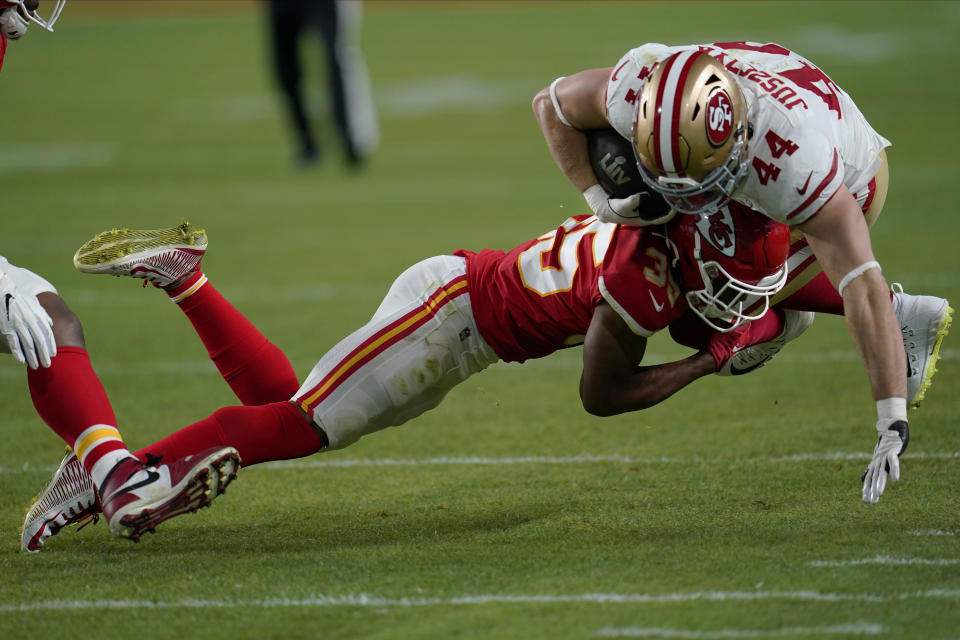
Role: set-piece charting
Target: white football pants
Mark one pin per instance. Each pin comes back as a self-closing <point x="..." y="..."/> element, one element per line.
<point x="420" y="343"/>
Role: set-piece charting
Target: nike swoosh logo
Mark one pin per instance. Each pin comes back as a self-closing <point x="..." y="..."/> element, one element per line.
<point x="152" y="476"/>
<point x="656" y="304"/>
<point x="803" y="190"/>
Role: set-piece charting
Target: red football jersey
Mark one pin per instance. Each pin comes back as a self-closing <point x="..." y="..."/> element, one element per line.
<point x="540" y="296"/>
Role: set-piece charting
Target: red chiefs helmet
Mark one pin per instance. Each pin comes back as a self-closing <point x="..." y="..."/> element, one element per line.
<point x="730" y="263"/>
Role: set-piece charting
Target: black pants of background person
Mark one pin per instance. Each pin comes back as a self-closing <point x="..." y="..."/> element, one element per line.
<point x="291" y="19"/>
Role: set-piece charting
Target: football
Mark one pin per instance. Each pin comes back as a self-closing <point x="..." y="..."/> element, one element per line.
<point x="615" y="165"/>
<point x="613" y="162"/>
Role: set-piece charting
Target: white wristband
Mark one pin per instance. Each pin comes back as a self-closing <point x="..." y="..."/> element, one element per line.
<point x="889" y="410"/>
<point x="856" y="273"/>
<point x="556" y="103"/>
<point x="596" y="197"/>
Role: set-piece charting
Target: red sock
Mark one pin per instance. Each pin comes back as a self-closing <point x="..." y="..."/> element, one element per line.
<point x="276" y="431"/>
<point x="818" y="295"/>
<point x="256" y="370"/>
<point x="69" y="397"/>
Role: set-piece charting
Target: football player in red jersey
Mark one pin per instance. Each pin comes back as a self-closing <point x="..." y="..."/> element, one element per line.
<point x="760" y="125"/>
<point x="41" y="331"/>
<point x="605" y="286"/>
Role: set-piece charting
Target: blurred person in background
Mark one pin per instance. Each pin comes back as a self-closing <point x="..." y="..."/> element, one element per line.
<point x="338" y="23"/>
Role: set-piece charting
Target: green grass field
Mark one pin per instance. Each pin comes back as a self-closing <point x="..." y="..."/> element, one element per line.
<point x="730" y="511"/>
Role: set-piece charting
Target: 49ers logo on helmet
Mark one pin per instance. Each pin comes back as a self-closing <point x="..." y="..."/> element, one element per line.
<point x="719" y="118"/>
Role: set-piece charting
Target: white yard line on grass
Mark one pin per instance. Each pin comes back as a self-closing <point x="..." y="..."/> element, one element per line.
<point x="584" y="458"/>
<point x="369" y="601"/>
<point x="55" y="157"/>
<point x="860" y="628"/>
<point x="933" y="532"/>
<point x="885" y="560"/>
<point x="578" y="459"/>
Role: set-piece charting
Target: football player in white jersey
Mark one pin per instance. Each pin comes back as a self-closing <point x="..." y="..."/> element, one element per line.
<point x="761" y="125"/>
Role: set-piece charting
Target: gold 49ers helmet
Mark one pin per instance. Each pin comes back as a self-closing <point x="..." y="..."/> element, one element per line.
<point x="730" y="262"/>
<point x="690" y="132"/>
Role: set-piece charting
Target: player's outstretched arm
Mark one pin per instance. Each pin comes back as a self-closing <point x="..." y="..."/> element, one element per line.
<point x="613" y="382"/>
<point x="840" y="240"/>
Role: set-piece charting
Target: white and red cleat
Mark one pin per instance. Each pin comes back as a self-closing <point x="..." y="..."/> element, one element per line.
<point x="135" y="498"/>
<point x="68" y="499"/>
<point x="138" y="497"/>
<point x="755" y="356"/>
<point x="924" y="323"/>
<point x="160" y="256"/>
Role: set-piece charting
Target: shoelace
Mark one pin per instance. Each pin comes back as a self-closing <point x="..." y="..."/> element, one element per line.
<point x="92" y="517"/>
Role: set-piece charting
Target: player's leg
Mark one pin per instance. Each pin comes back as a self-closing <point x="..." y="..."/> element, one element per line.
<point x="275" y="431"/>
<point x="100" y="472"/>
<point x="351" y="96"/>
<point x="421" y="342"/>
<point x="257" y="371"/>
<point x="68" y="395"/>
<point x="286" y="27"/>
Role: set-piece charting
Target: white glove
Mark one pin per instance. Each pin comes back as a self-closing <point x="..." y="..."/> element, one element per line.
<point x="25" y="325"/>
<point x="894" y="437"/>
<point x="626" y="211"/>
<point x="12" y="24"/>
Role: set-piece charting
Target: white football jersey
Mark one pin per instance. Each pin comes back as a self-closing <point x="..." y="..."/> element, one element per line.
<point x="808" y="137"/>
